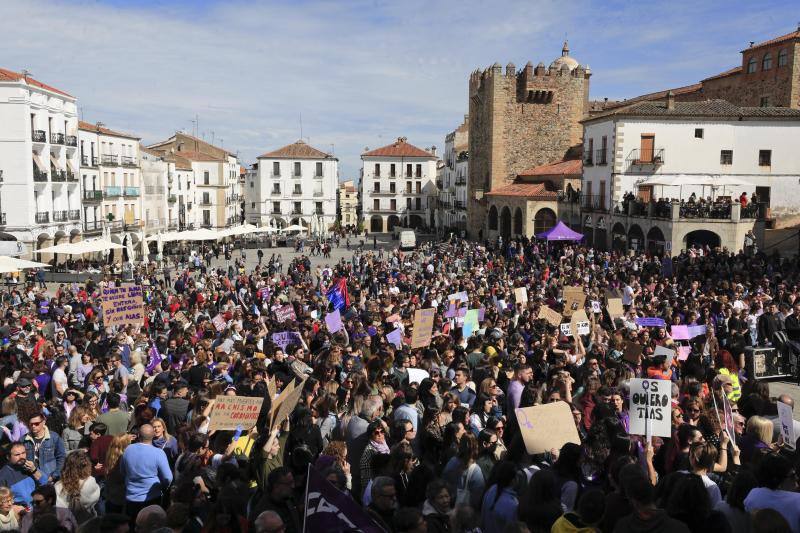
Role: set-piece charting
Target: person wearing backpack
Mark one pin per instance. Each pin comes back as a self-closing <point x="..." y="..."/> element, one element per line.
<point x="463" y="472"/>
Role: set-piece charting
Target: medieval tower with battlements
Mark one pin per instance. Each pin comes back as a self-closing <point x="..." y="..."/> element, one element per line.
<point x="519" y="120"/>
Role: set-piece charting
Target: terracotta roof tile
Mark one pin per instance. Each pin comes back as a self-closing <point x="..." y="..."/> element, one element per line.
<point x="729" y="72"/>
<point x="705" y="108"/>
<point x="656" y="95"/>
<point x="783" y="38"/>
<point x="10" y="75"/>
<point x="531" y="191"/>
<point x="191" y="155"/>
<point x="399" y="148"/>
<point x="572" y="167"/>
<point x="296" y="150"/>
<point x="86" y="126"/>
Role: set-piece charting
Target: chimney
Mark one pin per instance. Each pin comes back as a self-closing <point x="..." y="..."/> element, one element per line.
<point x="670" y="100"/>
<point x="433" y="151"/>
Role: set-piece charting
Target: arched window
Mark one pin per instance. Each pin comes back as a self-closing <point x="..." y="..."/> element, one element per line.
<point x="783" y="58"/>
<point x="766" y="63"/>
<point x="752" y="65"/>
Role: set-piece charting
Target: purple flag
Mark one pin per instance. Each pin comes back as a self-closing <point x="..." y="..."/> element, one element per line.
<point x="155" y="359"/>
<point x="330" y="510"/>
<point x="650" y="322"/>
<point x="395" y="337"/>
<point x="333" y="321"/>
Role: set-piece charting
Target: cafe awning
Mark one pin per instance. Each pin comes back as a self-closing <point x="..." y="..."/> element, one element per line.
<point x="54" y="162"/>
<point x="38" y="162"/>
<point x="70" y="166"/>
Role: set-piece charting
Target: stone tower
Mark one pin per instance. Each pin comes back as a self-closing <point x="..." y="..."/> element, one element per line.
<point x="519" y="120"/>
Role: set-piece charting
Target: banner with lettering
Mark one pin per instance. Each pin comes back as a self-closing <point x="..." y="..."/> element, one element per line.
<point x="123" y="306"/>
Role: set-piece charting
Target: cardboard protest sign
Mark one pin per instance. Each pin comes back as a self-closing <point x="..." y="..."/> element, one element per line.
<point x="579" y="316"/>
<point x="395" y="337"/>
<point x="666" y="352"/>
<point x="614" y="307"/>
<point x="566" y="329"/>
<point x="583" y="327"/>
<point x="632" y="351"/>
<point x="521" y="295"/>
<point x="650" y="404"/>
<point x="123" y="306"/>
<point x="272" y="387"/>
<point x="219" y="322"/>
<point x="553" y="317"/>
<point x="423" y="327"/>
<point x="232" y="411"/>
<point x="276" y="402"/>
<point x="451" y="311"/>
<point x="547" y="426"/>
<point x="180" y="318"/>
<point x="416" y="375"/>
<point x="679" y="333"/>
<point x="334" y="321"/>
<point x="574" y="298"/>
<point x="287" y="405"/>
<point x="284" y="313"/>
<point x="786" y="424"/>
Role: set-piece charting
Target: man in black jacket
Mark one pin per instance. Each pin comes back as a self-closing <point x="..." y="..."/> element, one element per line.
<point x="174" y="410"/>
<point x="768" y="324"/>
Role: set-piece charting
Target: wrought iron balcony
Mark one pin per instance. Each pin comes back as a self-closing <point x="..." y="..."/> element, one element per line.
<point x="601" y="157"/>
<point x="318" y="212"/>
<point x="60" y="216"/>
<point x="128" y="161"/>
<point x="58" y="175"/>
<point x="71" y="140"/>
<point x="108" y="159"/>
<point x="646" y="157"/>
<point x="38" y="136"/>
<point x="275" y="192"/>
<point x="131" y="191"/>
<point x="112" y="192"/>
<point x="133" y="224"/>
<point x="92" y="226"/>
<point x="297" y="211"/>
<point x="317" y="193"/>
<point x="74" y="214"/>
<point x="84" y="160"/>
<point x="461" y="181"/>
<point x="205" y="202"/>
<point x="95" y="161"/>
<point x="297" y="192"/>
<point x="91" y="196"/>
<point x="275" y="211"/>
<point x="2" y="219"/>
<point x="42" y="217"/>
<point x="594" y="202"/>
<point x="56" y="138"/>
<point x="38" y="175"/>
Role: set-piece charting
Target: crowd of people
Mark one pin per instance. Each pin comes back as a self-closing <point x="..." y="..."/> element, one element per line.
<point x="108" y="428"/>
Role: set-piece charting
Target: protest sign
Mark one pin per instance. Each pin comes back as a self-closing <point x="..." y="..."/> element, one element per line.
<point x="451" y="310"/>
<point x="285" y="338"/>
<point x="180" y="318"/>
<point x="470" y="322"/>
<point x="614" y="307"/>
<point x="219" y="322"/>
<point x="786" y="424"/>
<point x="553" y="317"/>
<point x="123" y="306"/>
<point x="650" y="322"/>
<point x="684" y="352"/>
<point x="650" y="403"/>
<point x="666" y="352"/>
<point x="276" y="402"/>
<point x="596" y="307"/>
<point x="284" y="313"/>
<point x="574" y="299"/>
<point x="334" y="321"/>
<point x="632" y="351"/>
<point x="395" y="337"/>
<point x="287" y="405"/>
<point x="329" y="509"/>
<point x="501" y="305"/>
<point x="232" y="411"/>
<point x="679" y="333"/>
<point x="521" y="295"/>
<point x="416" y="375"/>
<point x="548" y="426"/>
<point x="578" y="316"/>
<point x="458" y="297"/>
<point x="696" y="331"/>
<point x="583" y="327"/>
<point x="566" y="329"/>
<point x="423" y="327"/>
<point x="272" y="388"/>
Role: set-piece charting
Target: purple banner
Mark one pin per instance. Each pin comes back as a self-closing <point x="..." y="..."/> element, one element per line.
<point x="331" y="510"/>
<point x="650" y="322"/>
<point x="285" y="338"/>
<point x="395" y="337"/>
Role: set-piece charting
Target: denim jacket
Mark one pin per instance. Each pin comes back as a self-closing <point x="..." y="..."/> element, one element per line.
<point x="51" y="455"/>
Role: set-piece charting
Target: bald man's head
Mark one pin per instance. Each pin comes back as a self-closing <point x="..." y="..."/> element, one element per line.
<point x="146" y="433"/>
<point x="268" y="521"/>
<point x="788" y="400"/>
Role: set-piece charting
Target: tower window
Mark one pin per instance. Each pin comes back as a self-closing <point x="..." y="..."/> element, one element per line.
<point x="783" y="58"/>
<point x="752" y="65"/>
<point x="766" y="63"/>
<point x="698" y="133"/>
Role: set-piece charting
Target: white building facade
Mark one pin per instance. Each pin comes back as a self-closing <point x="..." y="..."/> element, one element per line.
<point x="452" y="205"/>
<point x="398" y="187"/>
<point x="293" y="185"/>
<point x="709" y="149"/>
<point x="39" y="185"/>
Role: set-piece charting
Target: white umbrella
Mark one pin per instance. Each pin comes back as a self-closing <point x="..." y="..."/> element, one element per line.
<point x="129" y="247"/>
<point x="267" y="229"/>
<point x="244" y="229"/>
<point x="82" y="247"/>
<point x="13" y="264"/>
<point x="201" y="234"/>
<point x="295" y="227"/>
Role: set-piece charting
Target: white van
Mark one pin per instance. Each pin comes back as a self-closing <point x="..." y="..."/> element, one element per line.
<point x="408" y="239"/>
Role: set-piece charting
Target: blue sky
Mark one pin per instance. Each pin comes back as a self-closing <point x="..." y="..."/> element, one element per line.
<point x="361" y="73"/>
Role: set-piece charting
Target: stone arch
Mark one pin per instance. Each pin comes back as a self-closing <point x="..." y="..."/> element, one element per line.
<point x="543" y="220"/>
<point x="376" y="224"/>
<point x="59" y="237"/>
<point x="493" y="218"/>
<point x="635" y="237"/>
<point x="278" y="222"/>
<point x="392" y="221"/>
<point x="655" y="241"/>
<point x="619" y="237"/>
<point x="505" y="223"/>
<point x="702" y="237"/>
<point x="518" y="230"/>
<point x="75" y="236"/>
<point x="415" y="221"/>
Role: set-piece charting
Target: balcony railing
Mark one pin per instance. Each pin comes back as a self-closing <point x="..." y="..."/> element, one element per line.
<point x="71" y="140"/>
<point x="2" y="219"/>
<point x="58" y="175"/>
<point x="128" y="161"/>
<point x="91" y="195"/>
<point x="92" y="225"/>
<point x="60" y="216"/>
<point x="297" y="211"/>
<point x="131" y="191"/>
<point x="318" y="176"/>
<point x="112" y="192"/>
<point x="95" y="161"/>
<point x="71" y="176"/>
<point x="297" y="192"/>
<point x="108" y="159"/>
<point x="646" y="157"/>
<point x="38" y="136"/>
<point x="42" y="217"/>
<point x="318" y="212"/>
<point x="275" y="212"/>
<point x="172" y="198"/>
<point x="133" y="224"/>
<point x="84" y="160"/>
<point x="38" y="175"/>
<point x="56" y="138"/>
<point x="588" y="160"/>
<point x="317" y="193"/>
<point x="594" y="202"/>
<point x="297" y="174"/>
<point x="276" y="192"/>
<point x="74" y="214"/>
<point x="601" y="157"/>
<point x="461" y="181"/>
<point x="459" y="204"/>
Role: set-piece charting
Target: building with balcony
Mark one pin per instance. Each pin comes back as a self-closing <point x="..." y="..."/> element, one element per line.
<point x="215" y="189"/>
<point x="347" y="201"/>
<point x="668" y="174"/>
<point x="40" y="194"/>
<point x="111" y="180"/>
<point x="451" y="211"/>
<point x="398" y="182"/>
<point x="295" y="184"/>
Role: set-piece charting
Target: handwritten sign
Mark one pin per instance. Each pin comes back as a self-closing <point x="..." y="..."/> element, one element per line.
<point x="787" y="424"/>
<point x="614" y="307"/>
<point x="566" y="329"/>
<point x="548" y="426"/>
<point x="583" y="327"/>
<point x="684" y="352"/>
<point x="232" y="411"/>
<point x="276" y="402"/>
<point x="552" y="317"/>
<point x="696" y="331"/>
<point x="451" y="311"/>
<point x="574" y="299"/>
<point x="219" y="322"/>
<point x="123" y="306"/>
<point x="333" y="321"/>
<point x="579" y="316"/>
<point x="423" y="327"/>
<point x="650" y="401"/>
<point x="284" y="313"/>
<point x="458" y="297"/>
<point x="287" y="405"/>
<point x="650" y="322"/>
<point x="521" y="295"/>
<point x="285" y="338"/>
<point x="180" y="318"/>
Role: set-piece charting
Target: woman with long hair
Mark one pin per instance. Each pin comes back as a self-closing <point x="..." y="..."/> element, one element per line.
<point x="542" y="501"/>
<point x="75" y="431"/>
<point x="162" y="439"/>
<point x="9" y="513"/>
<point x="115" y="480"/>
<point x="463" y="472"/>
<point x="500" y="502"/>
<point x="77" y="490"/>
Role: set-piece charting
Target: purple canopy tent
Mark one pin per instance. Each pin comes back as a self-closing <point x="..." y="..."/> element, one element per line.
<point x="560" y="232"/>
